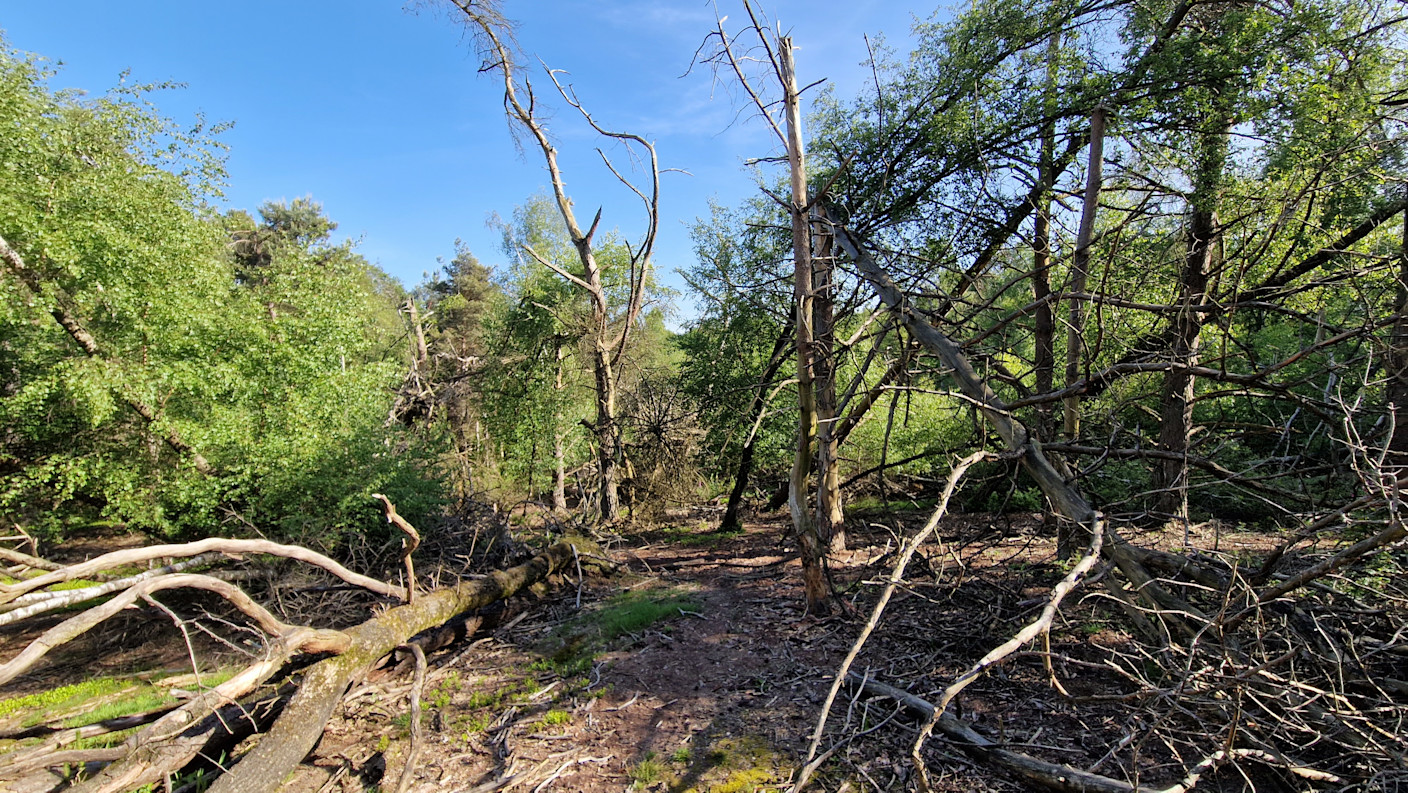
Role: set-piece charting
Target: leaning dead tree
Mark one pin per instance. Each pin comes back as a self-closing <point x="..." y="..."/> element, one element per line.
<point x="1271" y="663"/>
<point x="611" y="323"/>
<point x="170" y="738"/>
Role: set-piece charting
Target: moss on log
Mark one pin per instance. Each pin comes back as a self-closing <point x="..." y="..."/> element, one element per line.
<point x="297" y="731"/>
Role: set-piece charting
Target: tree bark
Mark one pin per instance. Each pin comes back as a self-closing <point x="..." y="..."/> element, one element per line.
<point x="295" y="733"/>
<point x="1176" y="399"/>
<point x="808" y="538"/>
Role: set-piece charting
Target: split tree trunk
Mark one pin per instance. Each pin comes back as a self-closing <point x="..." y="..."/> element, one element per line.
<point x="808" y="540"/>
<point x="830" y="517"/>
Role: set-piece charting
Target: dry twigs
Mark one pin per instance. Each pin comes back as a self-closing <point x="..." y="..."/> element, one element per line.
<point x="169" y="739"/>
<point x="1221" y="670"/>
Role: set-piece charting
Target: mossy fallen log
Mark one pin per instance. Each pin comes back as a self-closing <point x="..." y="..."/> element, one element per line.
<point x="298" y="729"/>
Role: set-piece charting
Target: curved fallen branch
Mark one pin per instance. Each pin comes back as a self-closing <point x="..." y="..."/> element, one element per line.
<point x="298" y="729"/>
<point x="132" y="556"/>
<point x="36" y="603"/>
<point x="76" y="626"/>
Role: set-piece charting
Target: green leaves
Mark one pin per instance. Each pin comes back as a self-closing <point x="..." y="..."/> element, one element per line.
<point x="273" y="360"/>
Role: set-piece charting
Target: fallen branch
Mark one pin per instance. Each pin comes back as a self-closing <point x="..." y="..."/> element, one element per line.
<point x="35" y="603"/>
<point x="301" y="724"/>
<point x="132" y="556"/>
<point x="896" y="576"/>
<point x="74" y="627"/>
<point x="1037" y="627"/>
<point x="1055" y="776"/>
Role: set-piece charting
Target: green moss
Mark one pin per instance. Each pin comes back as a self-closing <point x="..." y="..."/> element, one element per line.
<point x="64" y="697"/>
<point x="575" y="645"/>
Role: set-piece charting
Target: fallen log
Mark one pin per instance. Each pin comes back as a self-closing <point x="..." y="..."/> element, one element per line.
<point x="297" y="730"/>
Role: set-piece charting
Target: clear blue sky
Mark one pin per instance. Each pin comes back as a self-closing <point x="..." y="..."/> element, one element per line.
<point x="380" y="114"/>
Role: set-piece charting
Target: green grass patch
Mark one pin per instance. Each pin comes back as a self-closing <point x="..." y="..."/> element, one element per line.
<point x="106" y="698"/>
<point x="646" y="771"/>
<point x="874" y="504"/>
<point x="573" y="646"/>
<point x="64" y="697"/>
<point x="632" y="612"/>
<point x="700" y="536"/>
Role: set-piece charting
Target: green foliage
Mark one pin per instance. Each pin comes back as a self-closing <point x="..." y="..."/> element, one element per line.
<point x="262" y="344"/>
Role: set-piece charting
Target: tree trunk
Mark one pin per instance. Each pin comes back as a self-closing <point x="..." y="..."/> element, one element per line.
<point x="808" y="540"/>
<point x="1176" y="415"/>
<point x="1067" y="544"/>
<point x="295" y="733"/>
<point x="1044" y="331"/>
<point x="830" y="516"/>
<point x="1080" y="267"/>
<point x="731" y="521"/>
<point x="1398" y="362"/>
<point x="559" y="452"/>
<point x="605" y="430"/>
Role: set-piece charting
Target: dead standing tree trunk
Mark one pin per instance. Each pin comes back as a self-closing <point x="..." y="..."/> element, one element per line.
<point x="780" y="66"/>
<point x="806" y="528"/>
<point x="610" y="325"/>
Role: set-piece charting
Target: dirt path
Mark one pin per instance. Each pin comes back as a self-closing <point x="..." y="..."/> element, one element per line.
<point x="719" y="693"/>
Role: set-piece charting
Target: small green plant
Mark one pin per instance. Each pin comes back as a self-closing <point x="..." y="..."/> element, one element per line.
<point x="647" y="770"/>
<point x="476" y="725"/>
<point x="557" y="718"/>
<point x="682" y="755"/>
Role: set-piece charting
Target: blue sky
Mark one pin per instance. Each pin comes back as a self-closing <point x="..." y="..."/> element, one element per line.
<point x="380" y="114"/>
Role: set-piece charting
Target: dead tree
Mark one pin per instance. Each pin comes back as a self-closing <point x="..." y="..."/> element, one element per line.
<point x="812" y="530"/>
<point x="611" y="325"/>
<point x="170" y="740"/>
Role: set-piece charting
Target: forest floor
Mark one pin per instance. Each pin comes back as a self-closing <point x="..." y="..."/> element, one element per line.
<point x="719" y="685"/>
<point x="695" y="668"/>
